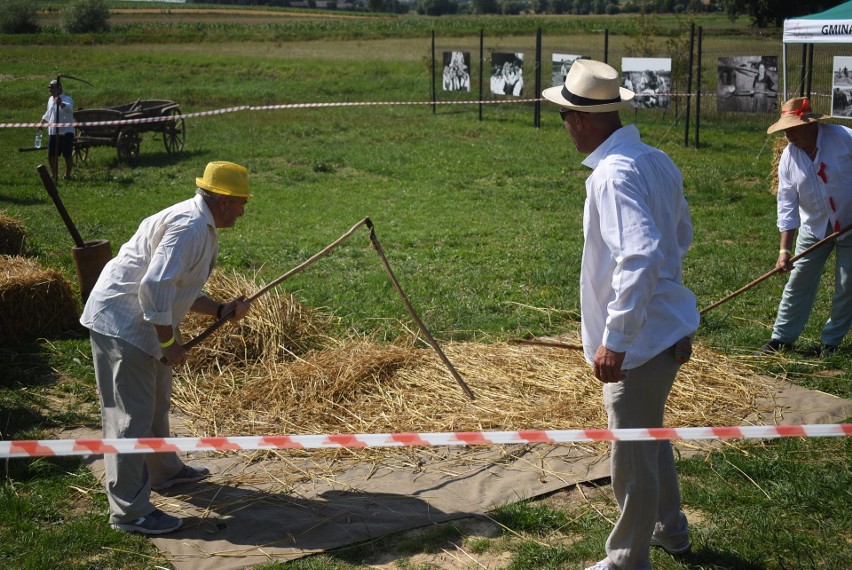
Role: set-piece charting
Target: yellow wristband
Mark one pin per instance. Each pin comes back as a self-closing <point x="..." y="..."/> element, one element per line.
<point x="168" y="343"/>
<point x="783" y="250"/>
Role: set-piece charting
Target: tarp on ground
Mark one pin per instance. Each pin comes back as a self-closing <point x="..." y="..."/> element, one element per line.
<point x="254" y="512"/>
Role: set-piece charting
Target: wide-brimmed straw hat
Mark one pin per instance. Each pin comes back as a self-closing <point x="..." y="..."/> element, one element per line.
<point x="592" y="87"/>
<point x="795" y="113"/>
<point x="225" y="178"/>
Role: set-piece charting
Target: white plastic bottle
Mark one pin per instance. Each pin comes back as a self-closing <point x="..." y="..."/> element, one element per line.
<point x="38" y="139"/>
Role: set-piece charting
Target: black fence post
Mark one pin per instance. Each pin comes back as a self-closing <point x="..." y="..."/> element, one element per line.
<point x="481" y="68"/>
<point x="434" y="110"/>
<point x="537" y="114"/>
<point x="606" y="45"/>
<point x="698" y="90"/>
<point x="810" y="68"/>
<point x="689" y="84"/>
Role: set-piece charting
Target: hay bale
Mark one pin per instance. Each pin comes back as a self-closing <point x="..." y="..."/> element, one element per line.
<point x="777" y="150"/>
<point x="360" y="386"/>
<point x="12" y="236"/>
<point x="34" y="301"/>
<point x="276" y="328"/>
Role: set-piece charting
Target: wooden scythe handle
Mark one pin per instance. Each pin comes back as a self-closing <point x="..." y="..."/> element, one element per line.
<point x="745" y="288"/>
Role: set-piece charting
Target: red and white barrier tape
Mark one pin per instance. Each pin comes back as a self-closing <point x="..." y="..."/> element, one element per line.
<point x="62" y="447"/>
<point x="178" y="116"/>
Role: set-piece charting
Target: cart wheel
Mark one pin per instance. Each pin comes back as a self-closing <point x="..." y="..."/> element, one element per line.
<point x="127" y="145"/>
<point x="81" y="154"/>
<point x="174" y="132"/>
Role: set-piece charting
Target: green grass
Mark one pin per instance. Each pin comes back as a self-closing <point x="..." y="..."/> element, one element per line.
<point x="480" y="220"/>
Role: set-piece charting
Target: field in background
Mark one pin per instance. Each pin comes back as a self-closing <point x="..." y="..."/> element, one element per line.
<point x="481" y="220"/>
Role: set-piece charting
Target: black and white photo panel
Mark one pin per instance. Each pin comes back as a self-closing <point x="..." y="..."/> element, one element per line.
<point x="456" y="71"/>
<point x="561" y="65"/>
<point x="747" y="84"/>
<point x="650" y="78"/>
<point x="841" y="87"/>
<point x="507" y="74"/>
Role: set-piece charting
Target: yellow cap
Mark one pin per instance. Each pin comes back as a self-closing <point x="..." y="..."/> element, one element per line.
<point x="225" y="178"/>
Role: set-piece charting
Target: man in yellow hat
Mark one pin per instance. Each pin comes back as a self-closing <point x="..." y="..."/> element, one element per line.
<point x="133" y="314"/>
<point x="814" y="201"/>
<point x="637" y="314"/>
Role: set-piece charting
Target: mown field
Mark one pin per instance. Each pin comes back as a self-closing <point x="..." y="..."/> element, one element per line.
<point x="481" y="221"/>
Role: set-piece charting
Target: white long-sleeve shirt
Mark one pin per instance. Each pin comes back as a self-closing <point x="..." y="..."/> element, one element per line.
<point x="637" y="229"/>
<point x="156" y="276"/>
<point x="66" y="115"/>
<point x="817" y="194"/>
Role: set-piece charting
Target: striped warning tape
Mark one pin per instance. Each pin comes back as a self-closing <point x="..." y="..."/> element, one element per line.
<point x="178" y="116"/>
<point x="62" y="447"/>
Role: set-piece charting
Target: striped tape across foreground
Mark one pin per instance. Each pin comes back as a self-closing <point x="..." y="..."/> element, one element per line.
<point x="61" y="447"/>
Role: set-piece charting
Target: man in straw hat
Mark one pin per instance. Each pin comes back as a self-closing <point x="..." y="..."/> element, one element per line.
<point x="636" y="314"/>
<point x="814" y="201"/>
<point x="60" y="109"/>
<point x="133" y="314"/>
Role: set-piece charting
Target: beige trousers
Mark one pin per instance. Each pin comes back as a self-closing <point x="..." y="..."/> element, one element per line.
<point x="135" y="394"/>
<point x="644" y="480"/>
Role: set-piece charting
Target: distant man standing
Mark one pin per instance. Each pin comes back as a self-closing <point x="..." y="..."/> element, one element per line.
<point x="638" y="319"/>
<point x="814" y="201"/>
<point x="60" y="109"/>
<point x="133" y="314"/>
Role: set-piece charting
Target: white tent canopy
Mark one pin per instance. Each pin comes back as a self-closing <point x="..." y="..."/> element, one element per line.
<point x="834" y="26"/>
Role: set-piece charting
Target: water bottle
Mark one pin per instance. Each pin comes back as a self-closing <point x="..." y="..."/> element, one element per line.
<point x="38" y="139"/>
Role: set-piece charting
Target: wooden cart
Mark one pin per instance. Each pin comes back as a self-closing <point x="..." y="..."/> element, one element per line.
<point x="127" y="137"/>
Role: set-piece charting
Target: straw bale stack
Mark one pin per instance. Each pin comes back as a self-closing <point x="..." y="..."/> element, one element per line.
<point x="778" y="147"/>
<point x="276" y="328"/>
<point x="34" y="301"/>
<point x="358" y="385"/>
<point x="12" y="236"/>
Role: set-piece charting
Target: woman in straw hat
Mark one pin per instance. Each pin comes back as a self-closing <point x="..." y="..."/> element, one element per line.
<point x="636" y="311"/>
<point x="133" y="314"/>
<point x="814" y="201"/>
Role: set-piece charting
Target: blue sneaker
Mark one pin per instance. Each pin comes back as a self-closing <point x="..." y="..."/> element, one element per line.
<point x="186" y="474"/>
<point x="155" y="522"/>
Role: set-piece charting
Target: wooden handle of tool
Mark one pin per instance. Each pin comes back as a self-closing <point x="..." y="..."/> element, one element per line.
<point x="301" y="267"/>
<point x="745" y="288"/>
<point x="49" y="185"/>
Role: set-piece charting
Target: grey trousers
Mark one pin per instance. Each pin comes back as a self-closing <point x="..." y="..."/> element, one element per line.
<point x="644" y="480"/>
<point x="135" y="394"/>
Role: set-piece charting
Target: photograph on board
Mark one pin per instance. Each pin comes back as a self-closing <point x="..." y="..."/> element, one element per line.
<point x="650" y="78"/>
<point x="747" y="84"/>
<point x="456" y="71"/>
<point x="841" y="87"/>
<point x="561" y="64"/>
<point x="507" y="74"/>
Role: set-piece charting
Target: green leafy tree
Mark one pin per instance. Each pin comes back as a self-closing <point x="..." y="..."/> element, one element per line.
<point x="86" y="16"/>
<point x="18" y="17"/>
<point x="765" y="13"/>
<point x="486" y="6"/>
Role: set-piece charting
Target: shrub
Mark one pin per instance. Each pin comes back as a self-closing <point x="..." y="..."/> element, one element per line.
<point x="85" y="16"/>
<point x="18" y="17"/>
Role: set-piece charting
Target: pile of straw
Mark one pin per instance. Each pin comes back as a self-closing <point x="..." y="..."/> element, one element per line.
<point x="357" y="385"/>
<point x="12" y="236"/>
<point x="778" y="147"/>
<point x="34" y="302"/>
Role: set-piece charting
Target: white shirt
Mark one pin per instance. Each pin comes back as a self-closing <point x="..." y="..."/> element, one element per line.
<point x="66" y="114"/>
<point x="156" y="276"/>
<point x="813" y="201"/>
<point x="637" y="229"/>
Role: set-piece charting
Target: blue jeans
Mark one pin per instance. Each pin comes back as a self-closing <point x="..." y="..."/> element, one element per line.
<point x="801" y="291"/>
